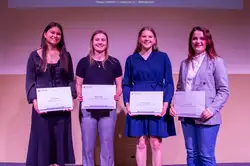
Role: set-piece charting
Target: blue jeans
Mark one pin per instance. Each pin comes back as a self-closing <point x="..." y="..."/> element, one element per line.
<point x="104" y="122"/>
<point x="200" y="143"/>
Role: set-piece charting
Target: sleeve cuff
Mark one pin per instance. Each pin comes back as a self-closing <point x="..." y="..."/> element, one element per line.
<point x="166" y="99"/>
<point x="126" y="101"/>
<point x="30" y="101"/>
<point x="211" y="109"/>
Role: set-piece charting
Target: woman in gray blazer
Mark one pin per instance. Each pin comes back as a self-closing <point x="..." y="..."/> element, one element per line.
<point x="203" y="70"/>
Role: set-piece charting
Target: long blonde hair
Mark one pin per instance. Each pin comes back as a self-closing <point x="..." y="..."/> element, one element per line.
<point x="92" y="50"/>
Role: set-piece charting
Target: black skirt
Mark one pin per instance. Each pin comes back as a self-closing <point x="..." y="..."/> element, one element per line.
<point x="50" y="139"/>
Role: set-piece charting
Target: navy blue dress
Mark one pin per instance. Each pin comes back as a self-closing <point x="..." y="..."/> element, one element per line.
<point x="50" y="134"/>
<point x="153" y="74"/>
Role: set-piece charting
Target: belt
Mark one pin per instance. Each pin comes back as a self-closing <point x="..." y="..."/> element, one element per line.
<point x="153" y="84"/>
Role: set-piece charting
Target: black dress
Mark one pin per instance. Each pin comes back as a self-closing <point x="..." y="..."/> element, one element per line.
<point x="50" y="135"/>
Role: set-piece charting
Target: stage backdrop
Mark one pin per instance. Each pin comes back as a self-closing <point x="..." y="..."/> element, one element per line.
<point x="20" y="33"/>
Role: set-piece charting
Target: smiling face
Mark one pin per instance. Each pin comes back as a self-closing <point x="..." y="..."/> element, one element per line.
<point x="198" y="42"/>
<point x="99" y="43"/>
<point x="53" y="36"/>
<point x="147" y="40"/>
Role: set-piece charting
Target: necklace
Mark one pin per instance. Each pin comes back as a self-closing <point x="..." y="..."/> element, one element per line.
<point x="98" y="64"/>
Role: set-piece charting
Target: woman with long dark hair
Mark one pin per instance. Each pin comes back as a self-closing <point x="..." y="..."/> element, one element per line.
<point x="50" y="66"/>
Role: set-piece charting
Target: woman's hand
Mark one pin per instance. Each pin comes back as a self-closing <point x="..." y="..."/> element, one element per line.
<point x="36" y="107"/>
<point x="128" y="109"/>
<point x="79" y="97"/>
<point x="206" y="114"/>
<point x="118" y="93"/>
<point x="172" y="111"/>
<point x="73" y="104"/>
<point x="117" y="97"/>
<point x="164" y="109"/>
<point x="79" y="82"/>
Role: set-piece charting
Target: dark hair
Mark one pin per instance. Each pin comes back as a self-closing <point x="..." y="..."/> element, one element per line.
<point x="60" y="46"/>
<point x="91" y="51"/>
<point x="138" y="45"/>
<point x="210" y="50"/>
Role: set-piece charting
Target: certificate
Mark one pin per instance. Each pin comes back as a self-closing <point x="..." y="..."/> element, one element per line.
<point x="146" y="102"/>
<point x="98" y="96"/>
<point x="54" y="99"/>
<point x="189" y="104"/>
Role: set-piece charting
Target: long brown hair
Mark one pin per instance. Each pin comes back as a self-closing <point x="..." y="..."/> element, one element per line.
<point x="210" y="50"/>
<point x="92" y="50"/>
<point x="138" y="45"/>
<point x="60" y="46"/>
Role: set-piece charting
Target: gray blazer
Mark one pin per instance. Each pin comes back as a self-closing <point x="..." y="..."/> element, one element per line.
<point x="212" y="78"/>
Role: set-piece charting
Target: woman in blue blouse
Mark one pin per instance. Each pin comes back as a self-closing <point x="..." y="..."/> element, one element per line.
<point x="148" y="70"/>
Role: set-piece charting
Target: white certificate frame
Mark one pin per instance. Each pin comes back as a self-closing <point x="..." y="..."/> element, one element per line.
<point x="98" y="96"/>
<point x="146" y="102"/>
<point x="54" y="99"/>
<point x="189" y="104"/>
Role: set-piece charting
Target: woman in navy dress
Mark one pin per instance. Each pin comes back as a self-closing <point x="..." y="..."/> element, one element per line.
<point x="50" y="135"/>
<point x="149" y="70"/>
